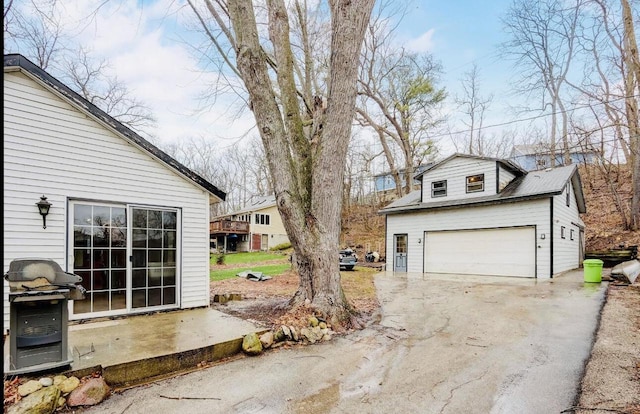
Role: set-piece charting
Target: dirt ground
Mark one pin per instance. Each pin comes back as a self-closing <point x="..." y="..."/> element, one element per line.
<point x="611" y="382"/>
<point x="266" y="302"/>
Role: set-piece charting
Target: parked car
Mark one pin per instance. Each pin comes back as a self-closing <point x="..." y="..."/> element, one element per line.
<point x="348" y="259"/>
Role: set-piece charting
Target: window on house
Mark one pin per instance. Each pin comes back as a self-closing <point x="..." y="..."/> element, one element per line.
<point x="475" y="183"/>
<point x="568" y="196"/>
<point x="563" y="232"/>
<point x="263" y="219"/>
<point x="439" y="188"/>
<point x="572" y="234"/>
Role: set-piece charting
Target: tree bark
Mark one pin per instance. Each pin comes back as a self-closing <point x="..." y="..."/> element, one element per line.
<point x="308" y="172"/>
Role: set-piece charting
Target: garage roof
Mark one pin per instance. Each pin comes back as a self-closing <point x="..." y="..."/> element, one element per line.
<point x="535" y="184"/>
<point x="15" y="62"/>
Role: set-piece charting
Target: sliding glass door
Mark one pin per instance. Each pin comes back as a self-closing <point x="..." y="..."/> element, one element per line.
<point x="126" y="256"/>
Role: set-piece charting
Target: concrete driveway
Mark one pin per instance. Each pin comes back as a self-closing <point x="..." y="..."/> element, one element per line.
<point x="444" y="344"/>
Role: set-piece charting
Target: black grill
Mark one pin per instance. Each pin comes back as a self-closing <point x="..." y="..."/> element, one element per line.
<point x="39" y="291"/>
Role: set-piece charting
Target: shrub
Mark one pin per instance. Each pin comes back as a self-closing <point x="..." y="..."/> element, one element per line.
<point x="281" y="246"/>
<point x="220" y="259"/>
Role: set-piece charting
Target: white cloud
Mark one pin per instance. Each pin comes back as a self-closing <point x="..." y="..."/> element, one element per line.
<point x="137" y="40"/>
<point x="423" y="43"/>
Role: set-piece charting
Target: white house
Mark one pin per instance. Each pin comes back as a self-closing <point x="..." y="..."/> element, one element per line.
<point x="487" y="216"/>
<point x="258" y="226"/>
<point x="126" y="217"/>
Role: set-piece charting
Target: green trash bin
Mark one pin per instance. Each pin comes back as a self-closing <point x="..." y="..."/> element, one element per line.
<point x="593" y="270"/>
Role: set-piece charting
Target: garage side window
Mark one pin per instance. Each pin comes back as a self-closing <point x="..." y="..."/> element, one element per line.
<point x="438" y="188"/>
<point x="475" y="183"/>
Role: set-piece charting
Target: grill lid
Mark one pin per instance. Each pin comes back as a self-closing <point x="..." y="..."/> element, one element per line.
<point x="34" y="273"/>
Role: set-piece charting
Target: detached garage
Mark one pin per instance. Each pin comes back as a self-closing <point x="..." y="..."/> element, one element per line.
<point x="486" y="216"/>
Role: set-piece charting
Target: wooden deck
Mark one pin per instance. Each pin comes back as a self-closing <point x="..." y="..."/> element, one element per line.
<point x="228" y="227"/>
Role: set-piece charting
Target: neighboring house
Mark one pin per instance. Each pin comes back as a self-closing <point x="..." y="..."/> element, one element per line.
<point x="487" y="216"/>
<point x="384" y="182"/>
<point x="535" y="157"/>
<point x="125" y="216"/>
<point x="255" y="227"/>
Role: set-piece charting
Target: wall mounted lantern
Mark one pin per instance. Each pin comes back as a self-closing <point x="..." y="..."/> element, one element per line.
<point x="43" y="207"/>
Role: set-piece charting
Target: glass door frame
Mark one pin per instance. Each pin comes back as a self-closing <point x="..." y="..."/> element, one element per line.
<point x="128" y="309"/>
<point x="178" y="275"/>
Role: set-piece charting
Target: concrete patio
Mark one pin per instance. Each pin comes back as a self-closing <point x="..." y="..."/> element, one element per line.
<point x="144" y="347"/>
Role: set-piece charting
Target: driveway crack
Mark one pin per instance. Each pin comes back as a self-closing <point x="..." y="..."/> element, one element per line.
<point x="457" y="387"/>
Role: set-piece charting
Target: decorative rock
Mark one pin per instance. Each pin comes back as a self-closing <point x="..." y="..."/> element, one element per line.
<point x="29" y="387"/>
<point x="309" y="335"/>
<point x="286" y="331"/>
<point x="69" y="385"/>
<point x="279" y="336"/>
<point x="92" y="392"/>
<point x="322" y="325"/>
<point x="326" y="337"/>
<point x="42" y="401"/>
<point x="294" y="334"/>
<point x="61" y="402"/>
<point x="313" y="321"/>
<point x="46" y="381"/>
<point x="251" y="344"/>
<point x="266" y="339"/>
<point x="59" y="379"/>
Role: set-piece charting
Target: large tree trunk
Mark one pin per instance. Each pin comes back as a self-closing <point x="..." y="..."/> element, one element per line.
<point x="308" y="172"/>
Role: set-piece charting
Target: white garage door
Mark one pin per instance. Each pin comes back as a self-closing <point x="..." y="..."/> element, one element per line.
<point x="498" y="252"/>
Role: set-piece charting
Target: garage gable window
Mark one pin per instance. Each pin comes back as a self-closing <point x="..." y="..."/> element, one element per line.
<point x="438" y="188"/>
<point x="475" y="183"/>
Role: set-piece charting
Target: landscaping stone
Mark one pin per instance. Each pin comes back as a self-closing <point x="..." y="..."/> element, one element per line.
<point x="42" y="401"/>
<point x="266" y="339"/>
<point x="69" y="385"/>
<point x="279" y="335"/>
<point x="251" y="344"/>
<point x="29" y="387"/>
<point x="59" y="379"/>
<point x="46" y="381"/>
<point x="294" y="333"/>
<point x="313" y="321"/>
<point x="92" y="392"/>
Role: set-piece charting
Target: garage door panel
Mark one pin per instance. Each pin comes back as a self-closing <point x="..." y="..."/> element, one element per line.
<point x="499" y="252"/>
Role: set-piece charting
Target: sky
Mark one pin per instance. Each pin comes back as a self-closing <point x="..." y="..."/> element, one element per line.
<point x="149" y="51"/>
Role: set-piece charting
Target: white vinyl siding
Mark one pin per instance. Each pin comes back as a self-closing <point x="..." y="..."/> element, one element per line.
<point x="53" y="149"/>
<point x="524" y="213"/>
<point x="566" y="251"/>
<point x="456" y="171"/>
<point x="504" y="177"/>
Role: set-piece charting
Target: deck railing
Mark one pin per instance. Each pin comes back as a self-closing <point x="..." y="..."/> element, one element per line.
<point x="229" y="226"/>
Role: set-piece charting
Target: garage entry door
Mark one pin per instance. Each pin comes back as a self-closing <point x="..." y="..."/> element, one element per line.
<point x="497" y="252"/>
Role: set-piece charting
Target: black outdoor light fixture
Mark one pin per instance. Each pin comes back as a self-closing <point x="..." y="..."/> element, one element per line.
<point x="43" y="207"/>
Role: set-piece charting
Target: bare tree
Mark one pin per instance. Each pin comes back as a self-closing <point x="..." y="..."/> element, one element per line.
<point x="632" y="60"/>
<point x="542" y="44"/>
<point x="473" y="105"/>
<point x="610" y="92"/>
<point x="90" y="79"/>
<point x="305" y="134"/>
<point x="35" y="29"/>
<point x="398" y="100"/>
